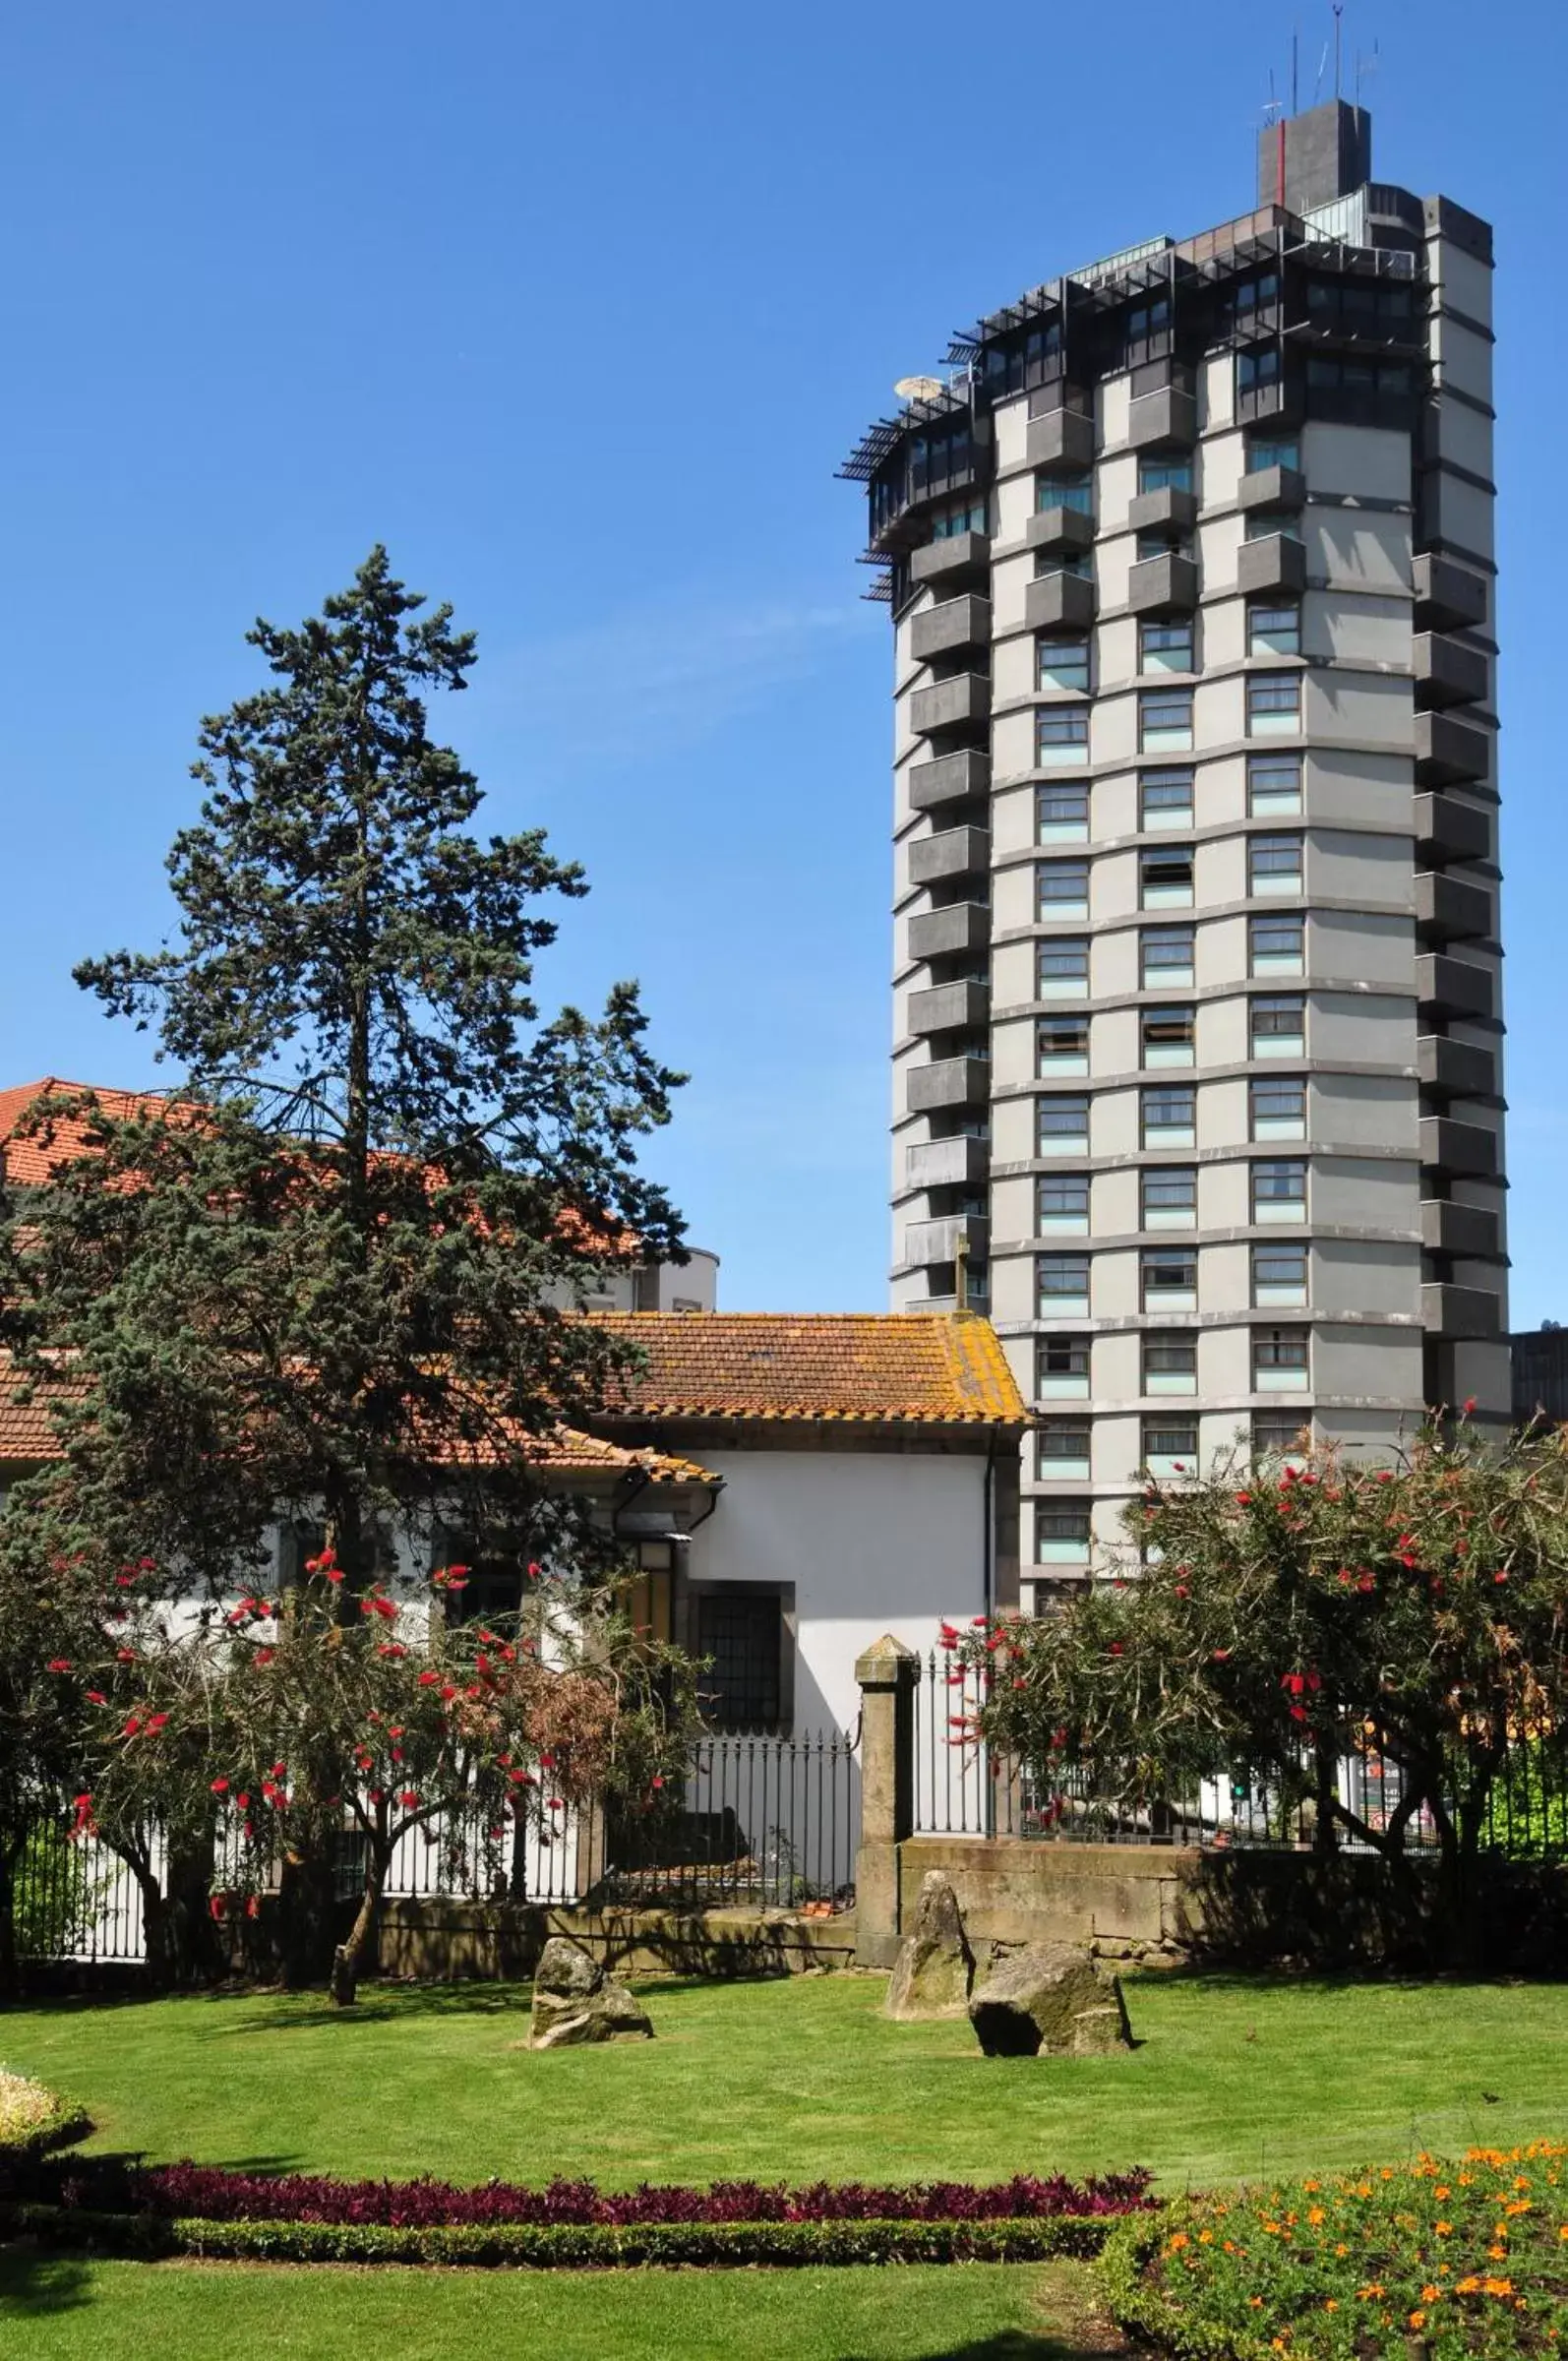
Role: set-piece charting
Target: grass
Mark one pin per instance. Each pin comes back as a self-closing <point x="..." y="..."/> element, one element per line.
<point x="803" y="2077"/>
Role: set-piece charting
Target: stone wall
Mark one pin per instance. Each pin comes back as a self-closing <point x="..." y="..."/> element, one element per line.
<point x="1124" y="1902"/>
<point x="496" y="1941"/>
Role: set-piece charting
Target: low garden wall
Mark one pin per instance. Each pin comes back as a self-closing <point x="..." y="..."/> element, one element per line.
<point x="439" y="1939"/>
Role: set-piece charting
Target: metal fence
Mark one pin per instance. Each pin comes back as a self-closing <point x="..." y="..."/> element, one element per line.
<point x="965" y="1788"/>
<point x="765" y="1820"/>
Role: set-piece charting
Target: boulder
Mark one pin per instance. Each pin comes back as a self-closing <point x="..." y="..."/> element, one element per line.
<point x="576" y="2001"/>
<point x="935" y="1967"/>
<point x="1051" y="2000"/>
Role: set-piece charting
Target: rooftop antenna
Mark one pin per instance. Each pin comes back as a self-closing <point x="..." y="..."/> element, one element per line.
<point x="1296" y="64"/>
<point x="1322" y="69"/>
<point x="1366" y="65"/>
<point x="1339" y="12"/>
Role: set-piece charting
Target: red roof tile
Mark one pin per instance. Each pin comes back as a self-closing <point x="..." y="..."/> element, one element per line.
<point x="923" y="1368"/>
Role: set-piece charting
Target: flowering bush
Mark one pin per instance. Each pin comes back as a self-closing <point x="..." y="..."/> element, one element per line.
<point x="1443" y="2262"/>
<point x="31" y="2117"/>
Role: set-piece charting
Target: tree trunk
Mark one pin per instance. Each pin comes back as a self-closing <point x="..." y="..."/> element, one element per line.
<point x="348" y="1959"/>
<point x="304" y="1919"/>
<point x="1325" y="1790"/>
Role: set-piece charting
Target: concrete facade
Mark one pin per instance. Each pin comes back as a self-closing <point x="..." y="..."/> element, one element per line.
<point x="1197" y="1028"/>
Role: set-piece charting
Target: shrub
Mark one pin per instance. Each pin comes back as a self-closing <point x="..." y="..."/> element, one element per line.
<point x="1448" y="2263"/>
<point x="33" y="2119"/>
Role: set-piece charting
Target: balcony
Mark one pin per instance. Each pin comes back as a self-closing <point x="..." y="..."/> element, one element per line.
<point x="962" y="703"/>
<point x="1448" y="597"/>
<point x="1166" y="585"/>
<point x="1449" y="831"/>
<point x="950" y="1008"/>
<point x="950" y="779"/>
<point x="1454" y="1069"/>
<point x="1060" y="602"/>
<point x="926" y="1242"/>
<point x="961" y="1163"/>
<point x="1061" y="439"/>
<point x="1447" y="673"/>
<point x="1167" y="510"/>
<point x="946" y="933"/>
<point x="1448" y="988"/>
<point x="960" y="556"/>
<point x="1466" y="1314"/>
<point x="1448" y="751"/>
<point x="1163" y="420"/>
<point x="953" y="853"/>
<point x="1058" y="527"/>
<point x="1466" y="1151"/>
<point x="1450" y="909"/>
<point x="1278" y="561"/>
<point x="1469" y="1232"/>
<point x="940" y="630"/>
<point x="1271" y="488"/>
<point x="948" y="1082"/>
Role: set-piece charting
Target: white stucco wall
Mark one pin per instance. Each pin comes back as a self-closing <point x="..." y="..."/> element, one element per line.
<point x="872" y="1541"/>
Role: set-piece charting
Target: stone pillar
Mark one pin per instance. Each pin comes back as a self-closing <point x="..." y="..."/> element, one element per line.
<point x="886" y="1674"/>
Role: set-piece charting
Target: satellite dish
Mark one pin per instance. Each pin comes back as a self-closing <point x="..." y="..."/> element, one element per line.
<point x="920" y="389"/>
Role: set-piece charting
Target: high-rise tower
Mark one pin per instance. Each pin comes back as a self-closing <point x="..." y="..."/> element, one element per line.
<point x="1197" y="1075"/>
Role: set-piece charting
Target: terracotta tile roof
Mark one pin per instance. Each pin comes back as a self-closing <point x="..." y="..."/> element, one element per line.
<point x="915" y="1367"/>
<point x="30" y="1162"/>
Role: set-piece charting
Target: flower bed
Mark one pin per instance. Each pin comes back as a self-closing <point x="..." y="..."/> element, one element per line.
<point x="1437" y="2262"/>
<point x="33" y="2119"/>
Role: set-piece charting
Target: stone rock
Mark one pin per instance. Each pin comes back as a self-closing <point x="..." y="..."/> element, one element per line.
<point x="935" y="1967"/>
<point x="1050" y="2000"/>
<point x="576" y="2001"/>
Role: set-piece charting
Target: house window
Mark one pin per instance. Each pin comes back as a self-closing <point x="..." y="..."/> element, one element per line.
<point x="1274" y="865"/>
<point x="1280" y="1434"/>
<point x="1061" y="1534"/>
<point x="1257" y="369"/>
<point x="742" y="1629"/>
<point x="1168" y="1036"/>
<point x="1163" y="545"/>
<point x="1157" y="474"/>
<point x="1062" y="969"/>
<point x="1062" y="889"/>
<point x="1063" y="1450"/>
<point x="1061" y="1367"/>
<point x="1165" y="877"/>
<point x="1273" y="704"/>
<point x="1168" y="955"/>
<point x="1279" y="1276"/>
<point x="1061" y="735"/>
<point x="1076" y="562"/>
<point x="1278" y="1108"/>
<point x="1061" y="1286"/>
<point x="1166" y="647"/>
<point x="1061" y="1125"/>
<point x="1273" y="785"/>
<point x="1165" y="799"/>
<point x="1061" y="815"/>
<point x="1279" y="1191"/>
<point x="1062" y="1045"/>
<point x="1171" y="1446"/>
<point x="959" y="517"/>
<point x="1271" y="524"/>
<point x="1274" y="628"/>
<point x="1279" y="1028"/>
<point x="1061" y="1202"/>
<point x="1272" y="451"/>
<point x="1278" y="946"/>
<point x="1170" y="1276"/>
<point x="1169" y="1195"/>
<point x="1170" y="1117"/>
<point x="1165" y="720"/>
<point x="1074" y="490"/>
<point x="1279" y="1363"/>
<point x="1170" y="1364"/>
<point x="1062" y="661"/>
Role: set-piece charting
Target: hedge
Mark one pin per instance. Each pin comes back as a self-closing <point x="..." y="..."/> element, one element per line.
<point x="559" y="2246"/>
<point x="34" y="2121"/>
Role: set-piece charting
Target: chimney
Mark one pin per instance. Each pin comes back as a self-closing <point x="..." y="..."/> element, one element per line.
<point x="1326" y="152"/>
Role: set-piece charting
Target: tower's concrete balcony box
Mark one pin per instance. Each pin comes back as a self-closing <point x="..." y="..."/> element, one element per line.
<point x="950" y="779"/>
<point x="1166" y="585"/>
<point x="1062" y="438"/>
<point x="1468" y="1231"/>
<point x="1460" y="1311"/>
<point x="947" y="561"/>
<point x="949" y="1008"/>
<point x="1062" y="528"/>
<point x="1448" y="597"/>
<point x="1467" y="1151"/>
<point x="1163" y="420"/>
<point x="1276" y="561"/>
<point x="1447" y="672"/>
<point x="963" y="702"/>
<point x="1060" y="602"/>
<point x="1272" y="489"/>
<point x="926" y="1242"/>
<point x="948" y="1082"/>
<point x="1454" y="1069"/>
<point x="1449" y="909"/>
<point x="961" y="1163"/>
<point x="1448" y="751"/>
<point x="961" y="622"/>
<point x="946" y="933"/>
<point x="1168" y="511"/>
<point x="952" y="853"/>
<point x="1447" y="987"/>
<point x="1448" y="830"/>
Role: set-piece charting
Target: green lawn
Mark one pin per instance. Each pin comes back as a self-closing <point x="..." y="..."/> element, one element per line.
<point x="803" y="2077"/>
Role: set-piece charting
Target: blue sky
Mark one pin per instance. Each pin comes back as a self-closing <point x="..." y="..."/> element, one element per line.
<point x="578" y="311"/>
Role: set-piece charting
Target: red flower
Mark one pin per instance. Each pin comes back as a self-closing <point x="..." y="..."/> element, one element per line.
<point x="59" y="1664"/>
<point x="265" y="1656"/>
<point x="217" y="1905"/>
<point x="1114" y="1648"/>
<point x="533" y="1570"/>
<point x="1221" y="1656"/>
<point x="554" y="1802"/>
<point x="1500" y="1576"/>
<point x="244" y="1802"/>
<point x="428" y="1680"/>
<point x="656" y="1781"/>
<point x="1469" y="1404"/>
<point x="220" y="1786"/>
<point x="253" y="1906"/>
<point x="157" y="1722"/>
<point x="1243" y="1499"/>
<point x="132" y="1725"/>
<point x="391" y="1648"/>
<point x="409" y="1798"/>
<point x="125" y="1655"/>
<point x="97" y="1697"/>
